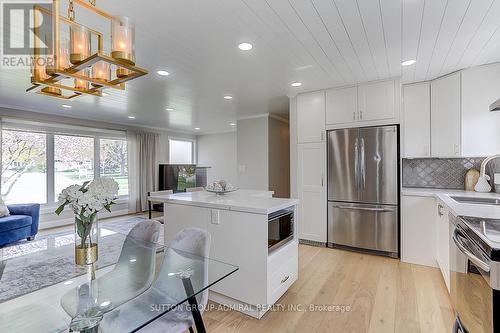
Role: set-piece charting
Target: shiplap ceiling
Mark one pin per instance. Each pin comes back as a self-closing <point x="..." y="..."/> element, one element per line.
<point x="321" y="43"/>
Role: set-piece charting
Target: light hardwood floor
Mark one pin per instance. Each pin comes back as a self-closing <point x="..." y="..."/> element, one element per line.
<point x="384" y="294"/>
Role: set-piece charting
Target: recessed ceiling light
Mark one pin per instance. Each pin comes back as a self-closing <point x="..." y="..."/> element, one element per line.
<point x="66" y="106"/>
<point x="228" y="97"/>
<point x="408" y="62"/>
<point x="196" y="128"/>
<point x="169" y="109"/>
<point x="245" y="46"/>
<point x="232" y="124"/>
<point x="131" y="117"/>
<point x="163" y="73"/>
<point x="296" y="84"/>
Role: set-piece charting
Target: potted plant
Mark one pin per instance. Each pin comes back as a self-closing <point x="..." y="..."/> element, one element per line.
<point x="86" y="201"/>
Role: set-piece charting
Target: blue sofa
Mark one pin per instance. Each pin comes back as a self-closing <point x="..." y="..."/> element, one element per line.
<point x="21" y="224"/>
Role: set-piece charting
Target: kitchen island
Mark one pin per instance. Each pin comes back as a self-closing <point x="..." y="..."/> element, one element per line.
<point x="241" y="231"/>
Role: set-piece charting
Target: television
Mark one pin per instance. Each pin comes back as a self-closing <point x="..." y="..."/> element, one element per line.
<point x="178" y="177"/>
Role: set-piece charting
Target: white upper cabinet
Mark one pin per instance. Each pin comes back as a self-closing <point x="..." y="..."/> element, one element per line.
<point x="445" y="116"/>
<point x="417" y="120"/>
<point x="377" y="100"/>
<point x="311" y="117"/>
<point x="341" y="105"/>
<point x="480" y="127"/>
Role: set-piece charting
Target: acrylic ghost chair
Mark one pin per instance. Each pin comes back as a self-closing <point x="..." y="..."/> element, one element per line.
<point x="42" y="317"/>
<point x="131" y="276"/>
<point x="189" y="248"/>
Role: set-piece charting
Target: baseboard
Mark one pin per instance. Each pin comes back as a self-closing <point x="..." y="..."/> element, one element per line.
<point x="71" y="220"/>
<point x="233" y="304"/>
<point x="312" y="243"/>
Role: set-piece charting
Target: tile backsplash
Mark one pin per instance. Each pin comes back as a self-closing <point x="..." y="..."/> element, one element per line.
<point x="442" y="172"/>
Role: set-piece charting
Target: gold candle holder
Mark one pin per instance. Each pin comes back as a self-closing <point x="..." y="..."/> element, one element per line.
<point x="80" y="43"/>
<point x="82" y="84"/>
<point x="52" y="91"/>
<point x="101" y="71"/>
<point x="123" y="43"/>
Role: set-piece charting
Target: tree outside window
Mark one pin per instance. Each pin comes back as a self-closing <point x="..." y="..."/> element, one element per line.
<point x="73" y="161"/>
<point x="113" y="162"/>
<point x="24" y="169"/>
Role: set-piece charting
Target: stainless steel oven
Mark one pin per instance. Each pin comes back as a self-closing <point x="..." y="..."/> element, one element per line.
<point x="280" y="229"/>
<point x="473" y="278"/>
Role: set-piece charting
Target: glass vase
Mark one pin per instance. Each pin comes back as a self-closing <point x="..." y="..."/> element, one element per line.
<point x="86" y="239"/>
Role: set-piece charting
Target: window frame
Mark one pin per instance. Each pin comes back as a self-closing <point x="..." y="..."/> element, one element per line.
<point x="50" y="130"/>
<point x="193" y="148"/>
<point x="97" y="163"/>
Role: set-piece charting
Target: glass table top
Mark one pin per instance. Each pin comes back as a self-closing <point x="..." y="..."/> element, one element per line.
<point x="132" y="284"/>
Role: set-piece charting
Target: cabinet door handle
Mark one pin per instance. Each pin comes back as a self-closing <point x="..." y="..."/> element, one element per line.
<point x="354" y="115"/>
<point x="440" y="210"/>
<point x="285" y="279"/>
<point x="455" y="147"/>
<point x="321" y="180"/>
<point x="360" y="114"/>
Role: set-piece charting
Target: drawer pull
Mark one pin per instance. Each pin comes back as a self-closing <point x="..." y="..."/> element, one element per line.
<point x="285" y="279"/>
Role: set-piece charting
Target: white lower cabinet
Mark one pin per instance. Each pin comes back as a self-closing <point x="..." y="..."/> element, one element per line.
<point x="418" y="230"/>
<point x="443" y="242"/>
<point x="425" y="233"/>
<point x="311" y="172"/>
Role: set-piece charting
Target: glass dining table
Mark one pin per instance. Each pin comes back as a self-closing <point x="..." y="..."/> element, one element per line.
<point x="133" y="284"/>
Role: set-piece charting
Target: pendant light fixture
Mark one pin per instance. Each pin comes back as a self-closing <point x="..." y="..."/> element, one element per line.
<point x="79" y="64"/>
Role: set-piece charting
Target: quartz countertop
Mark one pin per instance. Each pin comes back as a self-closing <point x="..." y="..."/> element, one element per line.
<point x="458" y="209"/>
<point x="249" y="201"/>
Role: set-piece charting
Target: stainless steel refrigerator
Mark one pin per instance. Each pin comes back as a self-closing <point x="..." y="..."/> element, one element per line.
<point x="363" y="196"/>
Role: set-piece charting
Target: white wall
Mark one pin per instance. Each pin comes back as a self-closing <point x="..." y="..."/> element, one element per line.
<point x="252" y="153"/>
<point x="218" y="151"/>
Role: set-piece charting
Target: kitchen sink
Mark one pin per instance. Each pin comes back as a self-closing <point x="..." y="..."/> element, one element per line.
<point x="476" y="200"/>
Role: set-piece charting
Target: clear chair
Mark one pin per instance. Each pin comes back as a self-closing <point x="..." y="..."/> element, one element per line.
<point x="131" y="276"/>
<point x="189" y="245"/>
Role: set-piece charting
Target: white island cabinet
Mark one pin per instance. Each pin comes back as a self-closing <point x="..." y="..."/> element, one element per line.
<point x="238" y="225"/>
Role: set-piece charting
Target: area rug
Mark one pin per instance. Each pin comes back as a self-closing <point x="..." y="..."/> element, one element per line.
<point x="48" y="260"/>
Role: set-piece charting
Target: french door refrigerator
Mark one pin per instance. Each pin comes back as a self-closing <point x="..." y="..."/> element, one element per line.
<point x="363" y="196"/>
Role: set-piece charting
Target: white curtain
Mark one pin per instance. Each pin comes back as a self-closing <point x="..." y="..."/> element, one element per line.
<point x="143" y="159"/>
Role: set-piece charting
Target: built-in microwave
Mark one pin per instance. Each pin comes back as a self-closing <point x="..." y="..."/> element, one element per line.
<point x="279" y="229"/>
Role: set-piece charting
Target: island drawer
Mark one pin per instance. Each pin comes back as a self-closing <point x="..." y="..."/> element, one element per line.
<point x="281" y="279"/>
<point x="282" y="271"/>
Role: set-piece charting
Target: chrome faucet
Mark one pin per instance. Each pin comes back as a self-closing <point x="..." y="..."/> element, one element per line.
<point x="485" y="162"/>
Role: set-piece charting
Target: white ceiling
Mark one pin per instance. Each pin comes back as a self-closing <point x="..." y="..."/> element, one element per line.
<point x="321" y="43"/>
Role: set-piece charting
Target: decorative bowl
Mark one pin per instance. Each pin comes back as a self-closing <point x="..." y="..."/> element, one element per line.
<point x="221" y="192"/>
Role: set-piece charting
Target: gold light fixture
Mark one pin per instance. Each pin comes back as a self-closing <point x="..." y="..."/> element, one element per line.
<point x="75" y="68"/>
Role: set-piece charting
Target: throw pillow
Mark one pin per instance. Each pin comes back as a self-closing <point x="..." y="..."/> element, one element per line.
<point x="4" y="211"/>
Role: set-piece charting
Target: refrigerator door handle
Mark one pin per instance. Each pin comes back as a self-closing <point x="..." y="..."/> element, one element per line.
<point x="363" y="163"/>
<point x="371" y="209"/>
<point x="356" y="162"/>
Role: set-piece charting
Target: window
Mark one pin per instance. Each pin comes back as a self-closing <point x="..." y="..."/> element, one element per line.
<point x="113" y="162"/>
<point x="73" y="161"/>
<point x="180" y="151"/>
<point x="40" y="160"/>
<point x="24" y="168"/>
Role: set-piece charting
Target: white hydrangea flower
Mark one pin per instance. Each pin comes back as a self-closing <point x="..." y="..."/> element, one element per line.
<point x="99" y="193"/>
